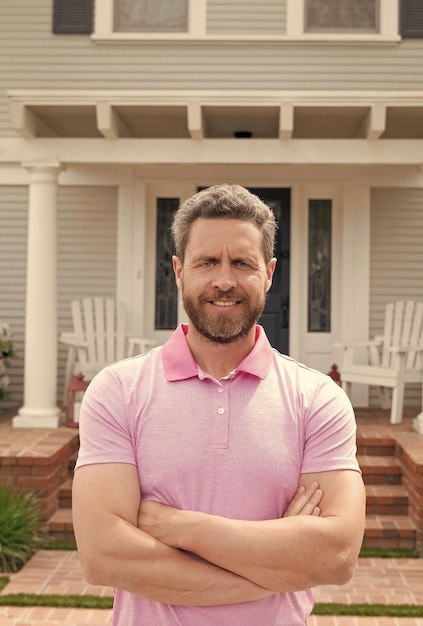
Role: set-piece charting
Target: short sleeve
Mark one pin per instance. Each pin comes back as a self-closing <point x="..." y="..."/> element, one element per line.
<point x="103" y="425"/>
<point x="330" y="431"/>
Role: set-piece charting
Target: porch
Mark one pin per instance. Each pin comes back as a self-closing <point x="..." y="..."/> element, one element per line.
<point x="391" y="458"/>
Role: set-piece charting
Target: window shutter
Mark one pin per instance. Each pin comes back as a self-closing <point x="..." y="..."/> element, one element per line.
<point x="72" y="17"/>
<point x="412" y="19"/>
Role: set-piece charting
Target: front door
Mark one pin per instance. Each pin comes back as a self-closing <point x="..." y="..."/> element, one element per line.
<point x="275" y="317"/>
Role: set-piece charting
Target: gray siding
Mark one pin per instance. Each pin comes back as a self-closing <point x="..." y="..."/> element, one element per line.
<point x="229" y="17"/>
<point x="396" y="262"/>
<point x="13" y="243"/>
<point x="87" y="223"/>
<point x="34" y="58"/>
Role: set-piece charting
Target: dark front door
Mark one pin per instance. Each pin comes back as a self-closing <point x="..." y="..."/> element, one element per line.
<point x="275" y="318"/>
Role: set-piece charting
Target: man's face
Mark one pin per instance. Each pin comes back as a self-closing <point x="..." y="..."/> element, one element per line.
<point x="224" y="279"/>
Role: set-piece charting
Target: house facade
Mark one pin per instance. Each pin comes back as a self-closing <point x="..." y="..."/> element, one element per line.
<point x="112" y="112"/>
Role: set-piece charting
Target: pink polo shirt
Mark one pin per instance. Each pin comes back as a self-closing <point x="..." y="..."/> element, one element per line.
<point x="233" y="447"/>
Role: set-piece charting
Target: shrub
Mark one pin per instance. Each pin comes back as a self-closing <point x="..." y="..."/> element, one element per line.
<point x="19" y="527"/>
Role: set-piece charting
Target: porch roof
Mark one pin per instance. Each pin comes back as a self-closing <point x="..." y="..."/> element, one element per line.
<point x="309" y="115"/>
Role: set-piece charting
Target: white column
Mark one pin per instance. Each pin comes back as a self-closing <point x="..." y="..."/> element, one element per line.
<point x="40" y="408"/>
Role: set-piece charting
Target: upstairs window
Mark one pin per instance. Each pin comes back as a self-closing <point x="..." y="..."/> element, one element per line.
<point x="341" y="16"/>
<point x="151" y="16"/>
<point x="343" y="20"/>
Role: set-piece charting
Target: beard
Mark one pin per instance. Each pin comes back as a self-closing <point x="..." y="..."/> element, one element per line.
<point x="223" y="327"/>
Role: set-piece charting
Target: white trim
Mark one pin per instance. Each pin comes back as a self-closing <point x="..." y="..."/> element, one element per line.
<point x="235" y="97"/>
<point x="216" y="151"/>
<point x="389" y="26"/>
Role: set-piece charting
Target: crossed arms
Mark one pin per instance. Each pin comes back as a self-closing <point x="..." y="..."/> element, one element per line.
<point x="195" y="559"/>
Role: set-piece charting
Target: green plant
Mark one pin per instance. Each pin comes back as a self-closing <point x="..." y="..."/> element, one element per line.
<point x="6" y="352"/>
<point x="19" y="528"/>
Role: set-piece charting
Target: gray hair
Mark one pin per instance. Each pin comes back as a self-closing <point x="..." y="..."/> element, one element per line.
<point x="224" y="202"/>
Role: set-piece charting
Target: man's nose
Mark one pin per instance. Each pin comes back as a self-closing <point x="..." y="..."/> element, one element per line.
<point x="224" y="278"/>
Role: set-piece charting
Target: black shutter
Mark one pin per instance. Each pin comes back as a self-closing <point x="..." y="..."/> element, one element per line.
<point x="73" y="17"/>
<point x="411" y="19"/>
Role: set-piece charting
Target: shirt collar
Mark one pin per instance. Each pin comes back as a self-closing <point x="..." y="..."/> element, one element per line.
<point x="179" y="363"/>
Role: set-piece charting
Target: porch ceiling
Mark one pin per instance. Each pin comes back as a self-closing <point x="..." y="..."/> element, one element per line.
<point x="182" y="115"/>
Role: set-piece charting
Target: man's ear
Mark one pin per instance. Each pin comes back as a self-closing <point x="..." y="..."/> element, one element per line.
<point x="177" y="268"/>
<point x="270" y="269"/>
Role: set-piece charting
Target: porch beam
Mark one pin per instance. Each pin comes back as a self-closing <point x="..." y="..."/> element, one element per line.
<point x="109" y="123"/>
<point x="216" y="151"/>
<point x="195" y="121"/>
<point x="286" y="121"/>
<point x="374" y="124"/>
<point x="26" y="122"/>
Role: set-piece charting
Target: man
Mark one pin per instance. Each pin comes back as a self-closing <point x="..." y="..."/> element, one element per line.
<point x="243" y="458"/>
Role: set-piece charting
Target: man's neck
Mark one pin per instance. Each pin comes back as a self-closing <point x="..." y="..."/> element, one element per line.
<point x="219" y="359"/>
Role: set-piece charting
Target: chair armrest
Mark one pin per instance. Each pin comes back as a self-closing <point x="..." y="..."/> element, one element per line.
<point x="142" y="342"/>
<point x="417" y="348"/>
<point x="359" y="344"/>
<point x="70" y="340"/>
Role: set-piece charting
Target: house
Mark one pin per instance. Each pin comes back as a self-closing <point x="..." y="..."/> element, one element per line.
<point x="112" y="112"/>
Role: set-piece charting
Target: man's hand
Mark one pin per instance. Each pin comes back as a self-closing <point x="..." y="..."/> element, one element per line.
<point x="305" y="502"/>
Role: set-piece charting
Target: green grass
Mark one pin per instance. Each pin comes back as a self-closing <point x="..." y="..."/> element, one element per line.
<point x="369" y="610"/>
<point x="391" y="553"/>
<point x="74" y="602"/>
<point x="55" y="544"/>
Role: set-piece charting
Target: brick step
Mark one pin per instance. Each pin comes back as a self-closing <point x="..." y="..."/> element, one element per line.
<point x="386" y="500"/>
<point x="389" y="531"/>
<point x="375" y="446"/>
<point x="60" y="525"/>
<point x="72" y="463"/>
<point x="64" y="495"/>
<point x="378" y="470"/>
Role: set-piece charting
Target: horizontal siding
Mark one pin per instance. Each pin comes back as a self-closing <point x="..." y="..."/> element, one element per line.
<point x="34" y="58"/>
<point x="87" y="244"/>
<point x="13" y="245"/>
<point x="228" y="17"/>
<point x="396" y="260"/>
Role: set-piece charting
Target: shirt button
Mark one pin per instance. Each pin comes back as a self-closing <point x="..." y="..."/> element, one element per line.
<point x="221" y="411"/>
<point x="220" y="389"/>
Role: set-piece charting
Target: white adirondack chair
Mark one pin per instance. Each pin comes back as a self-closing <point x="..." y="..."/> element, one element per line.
<point x="393" y="359"/>
<point x="99" y="338"/>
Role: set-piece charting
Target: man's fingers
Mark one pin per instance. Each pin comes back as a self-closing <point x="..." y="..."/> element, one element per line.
<point x="306" y="501"/>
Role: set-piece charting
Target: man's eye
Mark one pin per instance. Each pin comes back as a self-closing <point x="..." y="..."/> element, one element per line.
<point x="207" y="264"/>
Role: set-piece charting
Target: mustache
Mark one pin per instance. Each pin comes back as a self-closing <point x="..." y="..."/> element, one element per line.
<point x="222" y="295"/>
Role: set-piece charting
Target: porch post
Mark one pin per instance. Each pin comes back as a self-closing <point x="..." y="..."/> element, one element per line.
<point x="40" y="408"/>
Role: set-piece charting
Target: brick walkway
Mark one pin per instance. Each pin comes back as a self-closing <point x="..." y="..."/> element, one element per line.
<point x="381" y="581"/>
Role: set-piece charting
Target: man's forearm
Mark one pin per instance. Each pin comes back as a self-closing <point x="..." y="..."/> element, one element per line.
<point x="287" y="554"/>
<point x="146" y="567"/>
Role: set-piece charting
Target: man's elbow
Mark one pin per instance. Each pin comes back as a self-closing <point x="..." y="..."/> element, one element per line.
<point x="340" y="570"/>
<point x="94" y="570"/>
